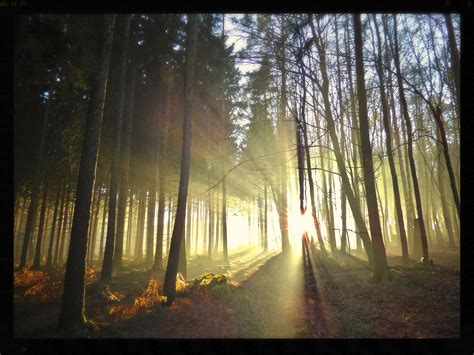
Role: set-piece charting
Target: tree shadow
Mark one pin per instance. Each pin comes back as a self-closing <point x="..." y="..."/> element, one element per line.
<point x="312" y="297"/>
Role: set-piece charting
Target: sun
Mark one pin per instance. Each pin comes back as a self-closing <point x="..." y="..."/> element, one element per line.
<point x="298" y="224"/>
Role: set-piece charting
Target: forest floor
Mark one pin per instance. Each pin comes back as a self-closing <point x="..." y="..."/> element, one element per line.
<point x="267" y="295"/>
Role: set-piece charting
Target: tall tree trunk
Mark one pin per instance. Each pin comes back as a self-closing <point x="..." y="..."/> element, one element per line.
<point x="388" y="147"/>
<point x="30" y="222"/>
<point x="141" y="226"/>
<point x="104" y="225"/>
<point x="343" y="142"/>
<point x="189" y="225"/>
<point x="406" y="116"/>
<point x="455" y="63"/>
<point x="64" y="230"/>
<point x="72" y="312"/>
<point x="163" y="146"/>
<point x="265" y="219"/>
<point x="444" y="205"/>
<point x="61" y="226"/>
<point x="283" y="136"/>
<point x="129" y="226"/>
<point x="37" y="260"/>
<point x="169" y="287"/>
<point x="168" y="229"/>
<point x="353" y="203"/>
<point x="224" y="222"/>
<point x="126" y="143"/>
<point x="112" y="227"/>
<point x="93" y="234"/>
<point x="307" y="153"/>
<point x="211" y="223"/>
<point x="380" y="260"/>
<point x="49" y="257"/>
<point x="437" y="114"/>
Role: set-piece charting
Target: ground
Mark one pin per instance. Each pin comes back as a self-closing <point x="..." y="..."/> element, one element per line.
<point x="267" y="295"/>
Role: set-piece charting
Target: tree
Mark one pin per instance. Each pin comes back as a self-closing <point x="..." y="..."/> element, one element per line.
<point x="36" y="181"/>
<point x="408" y="125"/>
<point x="73" y="299"/>
<point x="169" y="287"/>
<point x="107" y="264"/>
<point x="388" y="144"/>
<point x="381" y="272"/>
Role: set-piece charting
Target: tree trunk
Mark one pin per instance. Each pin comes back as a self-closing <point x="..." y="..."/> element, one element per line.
<point x="112" y="227"/>
<point x="66" y="218"/>
<point x="353" y="203"/>
<point x="104" y="224"/>
<point x="380" y="260"/>
<point x="224" y="222"/>
<point x="125" y="149"/>
<point x="168" y="229"/>
<point x="141" y="226"/>
<point x="61" y="226"/>
<point x="30" y="221"/>
<point x="265" y="219"/>
<point x="129" y="226"/>
<point x="410" y="150"/>
<point x="388" y="147"/>
<point x="307" y="153"/>
<point x="37" y="260"/>
<point x="49" y="258"/>
<point x="93" y="233"/>
<point x="455" y="63"/>
<point x="169" y="288"/>
<point x="72" y="312"/>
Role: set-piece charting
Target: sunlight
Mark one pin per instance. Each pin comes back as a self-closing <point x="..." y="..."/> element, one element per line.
<point x="298" y="224"/>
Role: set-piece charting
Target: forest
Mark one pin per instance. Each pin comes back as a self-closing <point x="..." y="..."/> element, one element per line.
<point x="237" y="175"/>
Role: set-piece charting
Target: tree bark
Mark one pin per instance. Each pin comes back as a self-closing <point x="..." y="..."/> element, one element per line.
<point x="126" y="143"/>
<point x="388" y="146"/>
<point x="169" y="288"/>
<point x="381" y="272"/>
<point x="30" y="221"/>
<point x="49" y="257"/>
<point x="112" y="227"/>
<point x="410" y="149"/>
<point x="72" y="312"/>
<point x="39" y="239"/>
<point x="353" y="203"/>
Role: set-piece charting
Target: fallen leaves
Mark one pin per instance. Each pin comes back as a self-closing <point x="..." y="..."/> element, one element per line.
<point x="148" y="298"/>
<point x="26" y="277"/>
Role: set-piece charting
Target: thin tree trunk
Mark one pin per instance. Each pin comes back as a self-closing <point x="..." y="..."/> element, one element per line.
<point x="406" y="116"/>
<point x="141" y="226"/>
<point x="104" y="225"/>
<point x="94" y="229"/>
<point x="49" y="258"/>
<point x="129" y="225"/>
<point x="224" y="222"/>
<point x="169" y="287"/>
<point x="265" y="220"/>
<point x="30" y="222"/>
<point x="388" y="147"/>
<point x="113" y="227"/>
<point x="355" y="207"/>
<point x="64" y="229"/>
<point x="62" y="216"/>
<point x="126" y="143"/>
<point x="37" y="260"/>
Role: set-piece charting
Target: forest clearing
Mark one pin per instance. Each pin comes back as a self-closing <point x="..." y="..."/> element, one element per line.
<point x="237" y="176"/>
